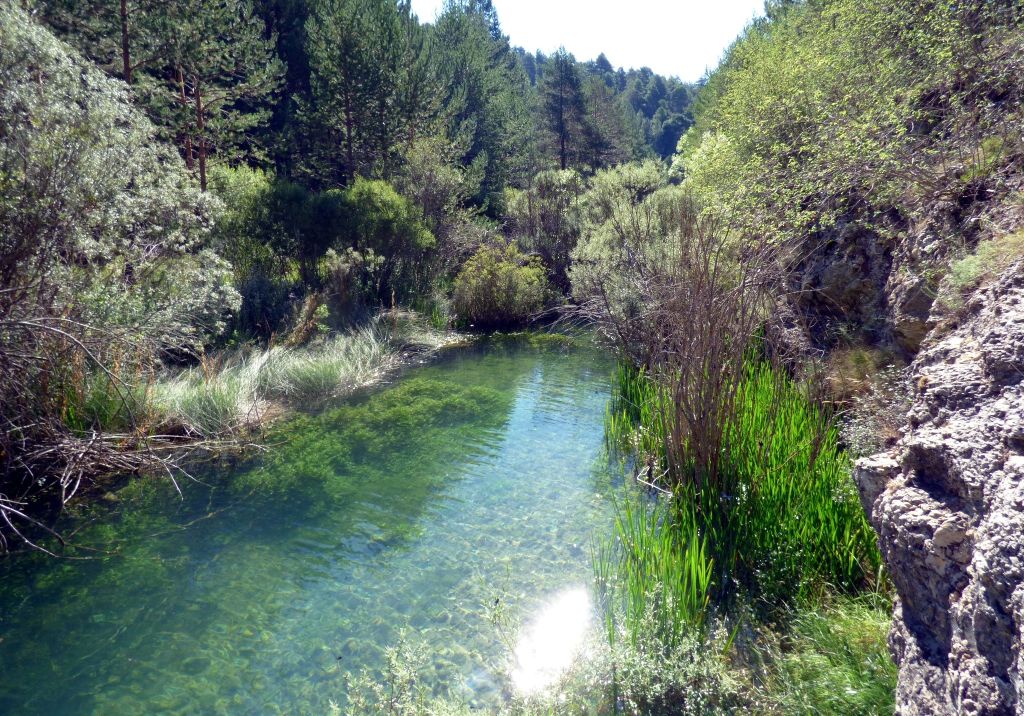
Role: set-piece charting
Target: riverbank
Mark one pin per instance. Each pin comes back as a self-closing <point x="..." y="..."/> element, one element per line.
<point x="123" y="422"/>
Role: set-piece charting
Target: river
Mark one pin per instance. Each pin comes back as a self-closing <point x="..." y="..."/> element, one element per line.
<point x="466" y="489"/>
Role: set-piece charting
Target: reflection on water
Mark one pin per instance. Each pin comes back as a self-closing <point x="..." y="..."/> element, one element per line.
<point x="552" y="640"/>
<point x="261" y="587"/>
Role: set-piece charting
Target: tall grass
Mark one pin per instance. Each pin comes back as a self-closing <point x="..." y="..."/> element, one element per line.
<point x="834" y="660"/>
<point x="655" y="573"/>
<point x="239" y="390"/>
<point x="783" y="522"/>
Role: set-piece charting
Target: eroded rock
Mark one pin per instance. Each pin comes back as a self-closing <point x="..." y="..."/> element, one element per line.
<point x="948" y="505"/>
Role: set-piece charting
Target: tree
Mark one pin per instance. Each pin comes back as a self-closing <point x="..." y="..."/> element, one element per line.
<point x="374" y="82"/>
<point x="121" y="37"/>
<point x="220" y="74"/>
<point x="486" y="102"/>
<point x="565" y="112"/>
<point x="546" y="219"/>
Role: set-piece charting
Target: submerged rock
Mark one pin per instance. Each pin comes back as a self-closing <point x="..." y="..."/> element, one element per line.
<point x="948" y="505"/>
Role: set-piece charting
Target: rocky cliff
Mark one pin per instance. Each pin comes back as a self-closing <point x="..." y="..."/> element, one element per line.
<point x="948" y="505"/>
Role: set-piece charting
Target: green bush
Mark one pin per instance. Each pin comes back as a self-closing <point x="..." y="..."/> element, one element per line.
<point x="546" y="218"/>
<point x="499" y="287"/>
<point x="389" y="225"/>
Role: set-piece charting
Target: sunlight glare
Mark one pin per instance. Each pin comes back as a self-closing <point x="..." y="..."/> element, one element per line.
<point x="552" y="640"/>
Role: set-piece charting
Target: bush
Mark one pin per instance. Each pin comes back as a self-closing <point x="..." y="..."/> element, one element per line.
<point x="499" y="287"/>
<point x="546" y="218"/>
<point x="389" y="225"/>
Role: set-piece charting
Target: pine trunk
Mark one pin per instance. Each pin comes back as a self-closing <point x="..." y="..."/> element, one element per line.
<point x="201" y="131"/>
<point x="186" y="138"/>
<point x="126" y="60"/>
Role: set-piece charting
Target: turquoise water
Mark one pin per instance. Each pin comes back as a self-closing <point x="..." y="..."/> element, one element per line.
<point x="412" y="509"/>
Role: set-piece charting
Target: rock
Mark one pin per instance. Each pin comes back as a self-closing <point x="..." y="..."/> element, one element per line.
<point x="872" y="475"/>
<point x="948" y="506"/>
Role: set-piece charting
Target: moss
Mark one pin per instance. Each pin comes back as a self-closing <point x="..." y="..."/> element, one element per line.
<point x="985" y="160"/>
<point x="990" y="259"/>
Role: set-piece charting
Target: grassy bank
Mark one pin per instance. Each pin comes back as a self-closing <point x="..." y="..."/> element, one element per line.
<point x="245" y="389"/>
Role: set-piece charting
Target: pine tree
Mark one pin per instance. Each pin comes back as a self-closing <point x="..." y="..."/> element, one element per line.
<point x="121" y="37"/>
<point x="564" y="110"/>
<point x="374" y="84"/>
<point x="221" y="71"/>
<point x="486" y="102"/>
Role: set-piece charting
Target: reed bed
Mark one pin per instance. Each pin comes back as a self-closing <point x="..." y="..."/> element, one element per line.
<point x="783" y="523"/>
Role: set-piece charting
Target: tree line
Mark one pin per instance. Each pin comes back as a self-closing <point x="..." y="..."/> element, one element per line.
<point x="322" y="91"/>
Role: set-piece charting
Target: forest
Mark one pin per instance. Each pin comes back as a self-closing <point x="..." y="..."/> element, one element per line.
<point x="217" y="214"/>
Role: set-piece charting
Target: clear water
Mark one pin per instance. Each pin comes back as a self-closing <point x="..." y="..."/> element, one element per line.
<point x="412" y="508"/>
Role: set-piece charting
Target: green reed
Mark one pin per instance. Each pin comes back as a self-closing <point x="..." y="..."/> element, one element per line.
<point x="785" y="523"/>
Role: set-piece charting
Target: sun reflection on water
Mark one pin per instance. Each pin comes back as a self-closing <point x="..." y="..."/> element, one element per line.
<point x="552" y="640"/>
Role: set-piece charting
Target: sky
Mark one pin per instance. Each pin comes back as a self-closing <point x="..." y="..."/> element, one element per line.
<point x="672" y="37"/>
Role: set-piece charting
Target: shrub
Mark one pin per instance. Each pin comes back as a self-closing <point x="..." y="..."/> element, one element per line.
<point x="499" y="287"/>
<point x="877" y="414"/>
<point x="389" y="225"/>
<point x="546" y="218"/>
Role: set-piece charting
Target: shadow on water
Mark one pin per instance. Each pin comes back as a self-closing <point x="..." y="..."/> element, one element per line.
<point x="262" y="585"/>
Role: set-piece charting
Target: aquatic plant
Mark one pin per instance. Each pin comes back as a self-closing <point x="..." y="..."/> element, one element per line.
<point x="654" y="572"/>
<point x="784" y="522"/>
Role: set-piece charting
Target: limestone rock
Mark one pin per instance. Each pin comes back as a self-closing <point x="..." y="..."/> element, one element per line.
<point x="948" y="505"/>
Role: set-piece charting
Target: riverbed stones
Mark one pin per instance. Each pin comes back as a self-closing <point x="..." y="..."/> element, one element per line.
<point x="948" y="505"/>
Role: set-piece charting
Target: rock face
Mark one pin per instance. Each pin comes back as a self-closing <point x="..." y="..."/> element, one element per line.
<point x="948" y="505"/>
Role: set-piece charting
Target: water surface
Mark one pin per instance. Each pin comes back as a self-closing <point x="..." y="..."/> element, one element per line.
<point x="413" y="508"/>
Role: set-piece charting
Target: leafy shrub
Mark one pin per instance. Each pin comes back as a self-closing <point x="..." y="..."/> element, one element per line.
<point x="546" y="218"/>
<point x="852" y="371"/>
<point x="389" y="225"/>
<point x="105" y="258"/>
<point x="499" y="287"/>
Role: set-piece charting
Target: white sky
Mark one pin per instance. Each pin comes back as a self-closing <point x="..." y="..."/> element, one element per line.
<point x="672" y="37"/>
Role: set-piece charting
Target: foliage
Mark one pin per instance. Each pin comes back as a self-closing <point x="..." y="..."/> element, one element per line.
<point x="364" y="246"/>
<point x="485" y="97"/>
<point x="204" y="70"/>
<point x="990" y="258"/>
<point x="386" y="224"/>
<point x="829" y="108"/>
<point x="373" y="84"/>
<point x="627" y="219"/>
<point x="784" y="521"/>
<point x="102" y="270"/>
<point x="499" y="287"/>
<point x="572" y="136"/>
<point x="878" y="414"/>
<point x="546" y="218"/>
